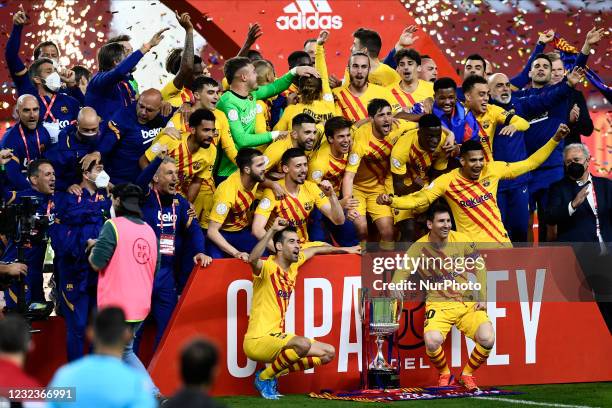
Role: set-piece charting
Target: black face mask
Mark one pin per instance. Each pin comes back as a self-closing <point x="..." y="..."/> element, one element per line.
<point x="574" y="170"/>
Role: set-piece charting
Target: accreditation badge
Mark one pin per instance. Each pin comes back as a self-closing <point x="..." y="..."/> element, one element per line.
<point x="166" y="244"/>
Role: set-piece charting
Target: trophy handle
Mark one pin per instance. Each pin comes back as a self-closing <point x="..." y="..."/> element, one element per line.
<point x="400" y="304"/>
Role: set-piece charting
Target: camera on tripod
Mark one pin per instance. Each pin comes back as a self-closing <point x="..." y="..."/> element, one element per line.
<point x="24" y="227"/>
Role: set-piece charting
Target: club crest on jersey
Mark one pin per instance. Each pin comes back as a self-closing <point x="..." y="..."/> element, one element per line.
<point x="308" y="206"/>
<point x="486" y="124"/>
<point x="197" y="165"/>
<point x="486" y="183"/>
<point x="64" y="109"/>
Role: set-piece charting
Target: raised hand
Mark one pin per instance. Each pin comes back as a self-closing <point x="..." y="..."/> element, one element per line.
<point x="323" y="36"/>
<point x="184" y="20"/>
<point x="595" y="35"/>
<point x="20" y="17"/>
<point x="407" y="38"/>
<point x="327" y="188"/>
<point x="279" y="224"/>
<point x="253" y="34"/>
<point x="575" y="76"/>
<point x="574" y="114"/>
<point x="156" y="39"/>
<point x="546" y="36"/>
<point x="561" y="132"/>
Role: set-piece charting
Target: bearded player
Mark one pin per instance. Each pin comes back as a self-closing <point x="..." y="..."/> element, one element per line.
<point x="273" y="282"/>
<point x="450" y="307"/>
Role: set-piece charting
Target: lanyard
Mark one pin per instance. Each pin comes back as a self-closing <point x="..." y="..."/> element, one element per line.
<point x="127" y="88"/>
<point x="161" y="210"/>
<point x="49" y="205"/>
<point x="25" y="143"/>
<point x="597" y="228"/>
<point x="48" y="107"/>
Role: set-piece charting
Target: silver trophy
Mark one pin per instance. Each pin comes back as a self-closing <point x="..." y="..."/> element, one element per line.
<point x="380" y="318"/>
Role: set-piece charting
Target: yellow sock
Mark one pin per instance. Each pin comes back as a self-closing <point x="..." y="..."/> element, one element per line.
<point x="302" y="364"/>
<point x="284" y="360"/>
<point x="387" y="245"/>
<point x="479" y="355"/>
<point x="438" y="359"/>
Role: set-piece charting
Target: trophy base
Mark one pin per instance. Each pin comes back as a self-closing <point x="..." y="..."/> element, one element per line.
<point x="383" y="379"/>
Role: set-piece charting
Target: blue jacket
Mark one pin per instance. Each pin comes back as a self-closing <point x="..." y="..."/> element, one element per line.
<point x="512" y="149"/>
<point x="124" y="140"/>
<point x="65" y="156"/>
<point x="108" y="91"/>
<point x="171" y="219"/>
<point x="37" y="142"/>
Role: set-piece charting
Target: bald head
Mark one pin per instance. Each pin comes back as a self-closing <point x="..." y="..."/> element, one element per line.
<point x="28" y="111"/>
<point x="88" y="122"/>
<point x="148" y="105"/>
<point x="499" y="88"/>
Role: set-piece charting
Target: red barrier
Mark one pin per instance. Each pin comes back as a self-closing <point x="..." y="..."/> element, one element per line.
<point x="536" y="343"/>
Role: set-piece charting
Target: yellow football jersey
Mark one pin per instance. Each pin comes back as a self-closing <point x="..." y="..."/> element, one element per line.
<point x="356" y="108"/>
<point x="223" y="138"/>
<point x="474" y="202"/>
<point x="189" y="164"/>
<point x="410" y="159"/>
<point x="369" y="156"/>
<point x="275" y="150"/>
<point x="323" y="165"/>
<point x="404" y="99"/>
<point x="232" y="204"/>
<point x="176" y="97"/>
<point x="488" y="123"/>
<point x="450" y="262"/>
<point x="272" y="290"/>
<point x="294" y="209"/>
<point x="321" y="110"/>
<point x="383" y="75"/>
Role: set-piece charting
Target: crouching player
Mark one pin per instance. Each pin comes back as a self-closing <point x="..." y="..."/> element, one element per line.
<point x="273" y="282"/>
<point x="446" y="257"/>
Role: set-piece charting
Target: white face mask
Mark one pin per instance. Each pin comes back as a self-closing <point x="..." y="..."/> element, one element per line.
<point x="102" y="179"/>
<point x="112" y="212"/>
<point x="53" y="82"/>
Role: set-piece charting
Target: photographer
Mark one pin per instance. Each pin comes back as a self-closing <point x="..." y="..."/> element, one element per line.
<point x="79" y="218"/>
<point x="35" y="206"/>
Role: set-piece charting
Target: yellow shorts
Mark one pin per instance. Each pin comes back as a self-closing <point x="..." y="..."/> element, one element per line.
<point x="265" y="348"/>
<point x="203" y="204"/>
<point x="402" y="215"/>
<point x="368" y="205"/>
<point x="440" y="317"/>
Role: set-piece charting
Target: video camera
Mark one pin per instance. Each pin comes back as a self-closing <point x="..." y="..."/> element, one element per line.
<point x="23" y="225"/>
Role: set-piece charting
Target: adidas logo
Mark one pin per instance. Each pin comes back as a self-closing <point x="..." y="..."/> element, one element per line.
<point x="309" y="15"/>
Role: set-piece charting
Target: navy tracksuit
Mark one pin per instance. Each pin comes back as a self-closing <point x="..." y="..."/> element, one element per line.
<point x="37" y="141"/>
<point x="78" y="219"/>
<point x="167" y="215"/>
<point x="124" y="141"/>
<point x="66" y="155"/>
<point x="513" y="194"/>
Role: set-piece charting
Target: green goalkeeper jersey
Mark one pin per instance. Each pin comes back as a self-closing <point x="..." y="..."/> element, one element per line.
<point x="241" y="112"/>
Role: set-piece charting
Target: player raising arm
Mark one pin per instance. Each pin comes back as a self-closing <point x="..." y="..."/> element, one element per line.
<point x="471" y="190"/>
<point x="273" y="282"/>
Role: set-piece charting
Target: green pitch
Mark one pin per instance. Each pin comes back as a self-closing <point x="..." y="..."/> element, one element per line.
<point x="554" y="395"/>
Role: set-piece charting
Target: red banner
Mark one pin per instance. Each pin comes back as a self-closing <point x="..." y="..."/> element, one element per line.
<point x="536" y="342"/>
<point x="287" y="24"/>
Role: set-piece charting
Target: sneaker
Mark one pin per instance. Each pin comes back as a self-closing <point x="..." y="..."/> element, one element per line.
<point x="264" y="387"/>
<point x="275" y="387"/>
<point x="468" y="382"/>
<point x="446" y="380"/>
